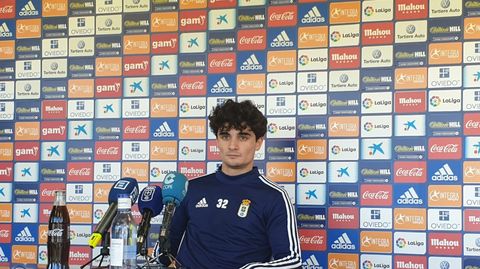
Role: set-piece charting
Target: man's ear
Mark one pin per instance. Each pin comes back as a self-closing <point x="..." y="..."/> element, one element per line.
<point x="258" y="143"/>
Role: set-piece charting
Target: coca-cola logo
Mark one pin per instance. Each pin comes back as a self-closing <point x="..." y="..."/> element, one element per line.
<point x="221" y="63"/>
<point x="47" y="192"/>
<point x="257" y="39"/>
<point x="448" y="148"/>
<point x="379" y="195"/>
<point x="6" y="9"/>
<point x="197" y="85"/>
<point x="108" y="151"/>
<point x="314" y="240"/>
<point x="142" y="129"/>
<point x="284" y="16"/>
<point x="4" y="233"/>
<point x="412" y="172"/>
<point x="80" y="172"/>
<point x="57" y="232"/>
<point x="471" y="124"/>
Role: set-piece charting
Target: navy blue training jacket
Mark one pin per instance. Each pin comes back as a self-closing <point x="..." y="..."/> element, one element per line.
<point x="231" y="222"/>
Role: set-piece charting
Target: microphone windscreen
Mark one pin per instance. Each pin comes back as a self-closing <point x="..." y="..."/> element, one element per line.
<point x="126" y="185"/>
<point x="174" y="188"/>
<point x="151" y="198"/>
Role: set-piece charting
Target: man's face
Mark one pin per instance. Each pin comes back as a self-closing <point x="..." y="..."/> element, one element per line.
<point x="237" y="150"/>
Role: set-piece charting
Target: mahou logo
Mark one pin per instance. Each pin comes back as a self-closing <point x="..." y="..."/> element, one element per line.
<point x="108" y="151"/>
<point x="54" y="109"/>
<point x="222" y="62"/>
<point x="410" y="102"/>
<point x="377" y="33"/>
<point x="343" y="218"/>
<point x="376" y="195"/>
<point x="344" y="58"/>
<point x="472" y="220"/>
<point x="192" y="169"/>
<point x="410" y="262"/>
<point x="445" y="244"/>
<point x="282" y="16"/>
<point x="445" y="148"/>
<point x="252" y="39"/>
<point x="471" y="124"/>
<point x="80" y="171"/>
<point x="410" y="172"/>
<point x="313" y="240"/>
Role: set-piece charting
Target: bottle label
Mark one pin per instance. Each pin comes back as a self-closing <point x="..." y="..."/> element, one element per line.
<point x="55" y="232"/>
<point x="116" y="252"/>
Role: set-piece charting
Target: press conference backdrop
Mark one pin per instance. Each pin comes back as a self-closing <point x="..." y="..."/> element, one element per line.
<point x="372" y="106"/>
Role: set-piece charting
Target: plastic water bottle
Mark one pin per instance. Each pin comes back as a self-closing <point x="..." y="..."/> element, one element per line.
<point x="123" y="236"/>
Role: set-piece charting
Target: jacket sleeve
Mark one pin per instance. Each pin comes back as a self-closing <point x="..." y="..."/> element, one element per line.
<point x="178" y="226"/>
<point x="283" y="236"/>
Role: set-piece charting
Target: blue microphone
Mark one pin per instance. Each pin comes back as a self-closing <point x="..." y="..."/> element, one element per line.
<point x="150" y="205"/>
<point x="128" y="186"/>
<point x="174" y="189"/>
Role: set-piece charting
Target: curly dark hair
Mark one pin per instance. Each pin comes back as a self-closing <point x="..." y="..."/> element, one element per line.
<point x="238" y="115"/>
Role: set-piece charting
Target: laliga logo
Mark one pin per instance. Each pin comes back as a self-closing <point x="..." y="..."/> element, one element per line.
<point x="272" y="128"/>
<point x="367" y="103"/>
<point x="303" y="105"/>
<point x="367" y="264"/>
<point x="304" y="172"/>
<point x="368" y="11"/>
<point x="184" y="107"/>
<point x="368" y="126"/>
<point x="303" y="60"/>
<point x="273" y="83"/>
<point x="435" y="101"/>
<point x="155" y="172"/>
<point x="335" y="36"/>
<point x="185" y="150"/>
<point x="335" y="150"/>
<point x="401" y="242"/>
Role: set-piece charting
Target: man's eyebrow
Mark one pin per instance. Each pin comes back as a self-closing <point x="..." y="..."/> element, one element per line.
<point x="244" y="133"/>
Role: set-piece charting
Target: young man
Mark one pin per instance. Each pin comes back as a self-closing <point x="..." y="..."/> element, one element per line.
<point x="235" y="217"/>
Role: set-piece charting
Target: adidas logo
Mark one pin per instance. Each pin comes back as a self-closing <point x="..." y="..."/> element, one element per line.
<point x="202" y="203"/>
<point x="221" y="87"/>
<point x="343" y="242"/>
<point x="4" y="31"/>
<point x="3" y="257"/>
<point x="444" y="173"/>
<point x="251" y="63"/>
<point x="410" y="197"/>
<point x="311" y="263"/>
<point x="282" y="40"/>
<point x="25" y="236"/>
<point x="28" y="10"/>
<point x="164" y="130"/>
<point x="313" y="16"/>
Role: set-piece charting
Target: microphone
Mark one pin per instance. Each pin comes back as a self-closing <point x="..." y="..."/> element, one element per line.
<point x="174" y="189"/>
<point x="126" y="185"/>
<point x="150" y="205"/>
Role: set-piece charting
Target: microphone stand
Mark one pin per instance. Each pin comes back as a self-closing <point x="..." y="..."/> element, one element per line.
<point x="104" y="251"/>
<point x="163" y="238"/>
